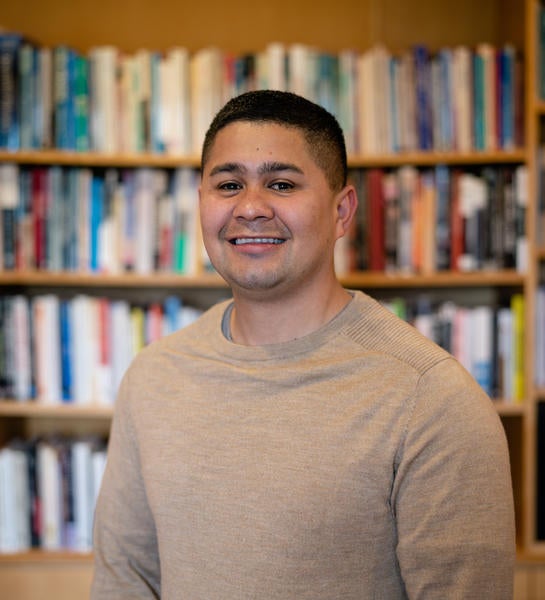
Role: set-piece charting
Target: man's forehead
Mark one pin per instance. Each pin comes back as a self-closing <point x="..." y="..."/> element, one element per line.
<point x="262" y="168"/>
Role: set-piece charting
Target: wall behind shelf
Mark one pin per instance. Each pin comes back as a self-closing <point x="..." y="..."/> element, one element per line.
<point x="133" y="24"/>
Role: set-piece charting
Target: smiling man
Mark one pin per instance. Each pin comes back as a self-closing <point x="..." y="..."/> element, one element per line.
<point x="300" y="441"/>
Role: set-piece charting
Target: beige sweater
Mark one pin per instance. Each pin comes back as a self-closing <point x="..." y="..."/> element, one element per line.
<point x="358" y="462"/>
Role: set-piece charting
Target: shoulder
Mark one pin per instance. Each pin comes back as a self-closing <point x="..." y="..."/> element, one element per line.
<point x="377" y="329"/>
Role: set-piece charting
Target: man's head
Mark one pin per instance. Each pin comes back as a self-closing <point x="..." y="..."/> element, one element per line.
<point x="320" y="129"/>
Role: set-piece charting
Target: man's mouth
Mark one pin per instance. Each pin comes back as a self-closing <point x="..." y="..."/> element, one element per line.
<point x="240" y="241"/>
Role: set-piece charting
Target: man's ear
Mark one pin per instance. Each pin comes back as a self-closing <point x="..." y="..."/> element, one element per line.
<point x="346" y="203"/>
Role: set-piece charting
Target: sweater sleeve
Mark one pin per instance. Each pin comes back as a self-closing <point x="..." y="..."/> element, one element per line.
<point x="452" y="493"/>
<point x="125" y="543"/>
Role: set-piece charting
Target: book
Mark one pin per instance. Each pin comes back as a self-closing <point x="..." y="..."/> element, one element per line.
<point x="463" y="99"/>
<point x="9" y="202"/>
<point x="518" y="307"/>
<point x="49" y="491"/>
<point x="482" y="356"/>
<point x="46" y="348"/>
<point x="14" y="499"/>
<point x="22" y="359"/>
<point x="83" y="493"/>
<point x="424" y="114"/>
<point x="10" y="43"/>
<point x="539" y="342"/>
<point x="505" y="354"/>
<point x="104" y="106"/>
<point x="206" y="92"/>
<point x="27" y="68"/>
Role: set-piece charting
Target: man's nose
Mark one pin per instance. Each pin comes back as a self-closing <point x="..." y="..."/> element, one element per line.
<point x="252" y="204"/>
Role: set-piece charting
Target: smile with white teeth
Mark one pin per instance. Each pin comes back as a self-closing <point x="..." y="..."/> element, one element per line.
<point x="263" y="240"/>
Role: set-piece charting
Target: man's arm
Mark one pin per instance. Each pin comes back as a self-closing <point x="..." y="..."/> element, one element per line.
<point x="125" y="545"/>
<point x="452" y="494"/>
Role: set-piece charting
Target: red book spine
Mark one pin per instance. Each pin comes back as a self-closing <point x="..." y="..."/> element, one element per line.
<point x="39" y="212"/>
<point x="457" y="223"/>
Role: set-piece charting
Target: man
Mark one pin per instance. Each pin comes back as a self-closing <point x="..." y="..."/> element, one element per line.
<point x="300" y="441"/>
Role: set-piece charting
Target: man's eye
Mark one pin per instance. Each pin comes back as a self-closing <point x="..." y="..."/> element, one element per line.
<point x="229" y="186"/>
<point x="281" y="186"/>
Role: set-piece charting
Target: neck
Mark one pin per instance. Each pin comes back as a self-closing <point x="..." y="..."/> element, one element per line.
<point x="273" y="321"/>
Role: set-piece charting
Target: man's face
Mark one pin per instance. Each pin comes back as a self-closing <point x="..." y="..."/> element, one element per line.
<point x="268" y="215"/>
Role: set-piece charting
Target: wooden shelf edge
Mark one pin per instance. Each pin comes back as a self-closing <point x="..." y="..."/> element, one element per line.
<point x="438" y="279"/>
<point x="45" y="556"/>
<point x="59" y="279"/>
<point x="431" y="158"/>
<point x="363" y="279"/>
<point x="99" y="159"/>
<point x="533" y="553"/>
<point x="510" y="408"/>
<point x="32" y="408"/>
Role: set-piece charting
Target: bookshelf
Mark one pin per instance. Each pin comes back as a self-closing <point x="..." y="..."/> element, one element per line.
<point x="356" y="24"/>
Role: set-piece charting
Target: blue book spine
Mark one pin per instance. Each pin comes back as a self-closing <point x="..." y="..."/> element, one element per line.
<point x="60" y="92"/>
<point x="446" y="104"/>
<point x="423" y="99"/>
<point x="172" y="307"/>
<point x="507" y="90"/>
<point x="9" y="91"/>
<point x="478" y="102"/>
<point x="97" y="208"/>
<point x="328" y="82"/>
<point x="66" y="351"/>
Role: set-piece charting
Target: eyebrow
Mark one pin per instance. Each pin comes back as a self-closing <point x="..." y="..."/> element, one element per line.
<point x="265" y="168"/>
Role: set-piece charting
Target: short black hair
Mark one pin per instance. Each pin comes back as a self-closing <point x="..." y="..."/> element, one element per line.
<point x="319" y="127"/>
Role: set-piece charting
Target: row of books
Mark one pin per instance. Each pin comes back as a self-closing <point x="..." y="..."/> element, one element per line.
<point x="113" y="221"/>
<point x="146" y="220"/>
<point x="428" y="220"/>
<point x="48" y="490"/>
<point x="76" y="350"/>
<point x="458" y="98"/>
<point x="487" y="340"/>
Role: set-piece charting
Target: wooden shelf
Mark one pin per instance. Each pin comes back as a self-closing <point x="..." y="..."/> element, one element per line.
<point x="518" y="155"/>
<point x="97" y="159"/>
<point x="439" y="279"/>
<point x="67" y="279"/>
<point x="13" y="408"/>
<point x="364" y="279"/>
<point x="510" y="409"/>
<point x="46" y="556"/>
